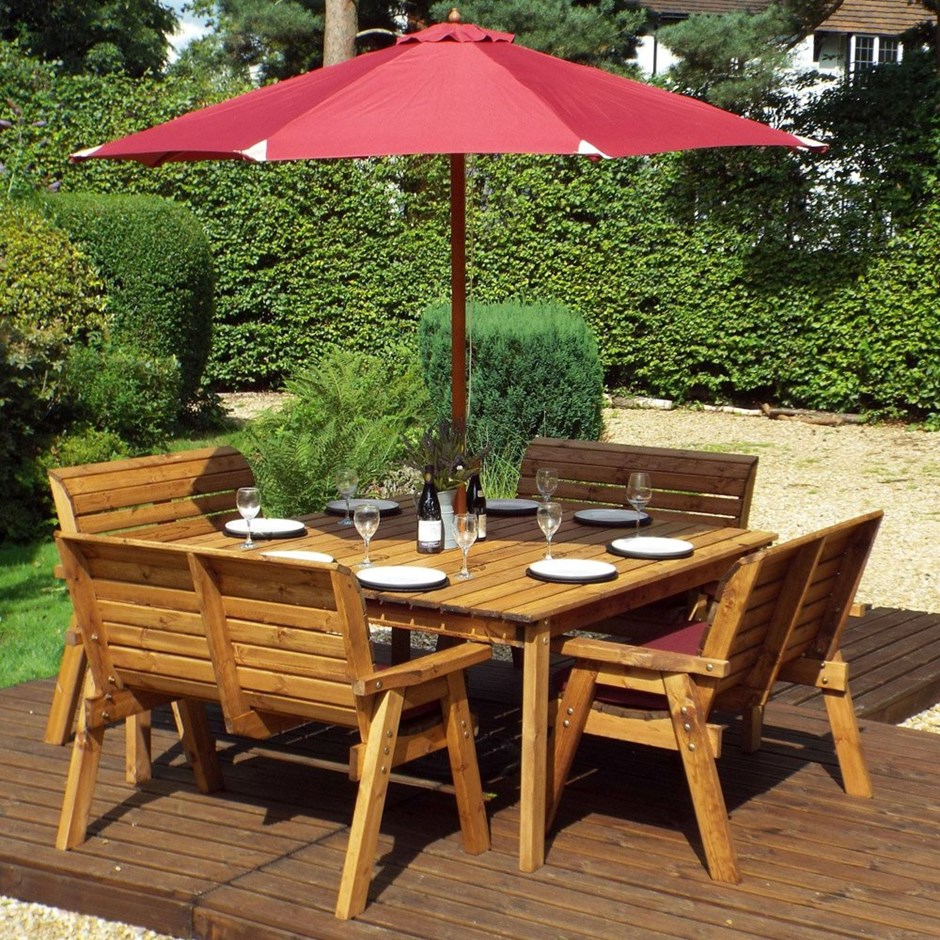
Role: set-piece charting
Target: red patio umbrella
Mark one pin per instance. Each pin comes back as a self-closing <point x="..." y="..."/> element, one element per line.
<point x="451" y="89"/>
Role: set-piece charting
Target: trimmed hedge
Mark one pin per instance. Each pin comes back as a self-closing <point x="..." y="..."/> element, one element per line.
<point x="50" y="299"/>
<point x="156" y="262"/>
<point x="535" y="371"/>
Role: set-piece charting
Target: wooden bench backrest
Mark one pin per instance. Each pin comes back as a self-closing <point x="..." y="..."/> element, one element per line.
<point x="785" y="603"/>
<point x="259" y="635"/>
<point x="715" y="487"/>
<point x="288" y="638"/>
<point x="162" y="496"/>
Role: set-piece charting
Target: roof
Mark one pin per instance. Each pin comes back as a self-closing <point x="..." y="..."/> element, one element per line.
<point x="681" y="8"/>
<point x="877" y="17"/>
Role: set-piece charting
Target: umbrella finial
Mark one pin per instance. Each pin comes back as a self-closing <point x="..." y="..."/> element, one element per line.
<point x="454" y="15"/>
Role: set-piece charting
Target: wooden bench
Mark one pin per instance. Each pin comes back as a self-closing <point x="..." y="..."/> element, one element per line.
<point x="711" y="487"/>
<point x="277" y="643"/>
<point x="779" y="617"/>
<point x="716" y="488"/>
<point x="161" y="497"/>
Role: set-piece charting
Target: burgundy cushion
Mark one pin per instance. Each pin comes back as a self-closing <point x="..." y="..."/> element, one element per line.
<point x="685" y="639"/>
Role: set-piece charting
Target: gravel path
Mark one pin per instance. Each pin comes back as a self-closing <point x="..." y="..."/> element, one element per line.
<point x="808" y="476"/>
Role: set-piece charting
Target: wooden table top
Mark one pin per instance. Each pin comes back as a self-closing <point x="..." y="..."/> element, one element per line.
<point x="500" y="590"/>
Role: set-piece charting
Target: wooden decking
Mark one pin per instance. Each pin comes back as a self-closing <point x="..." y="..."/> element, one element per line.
<point x="263" y="859"/>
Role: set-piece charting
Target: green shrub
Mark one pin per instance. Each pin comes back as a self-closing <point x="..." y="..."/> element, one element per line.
<point x="126" y="392"/>
<point x="85" y="445"/>
<point x="50" y="300"/>
<point x="156" y="261"/>
<point x="347" y="411"/>
<point x="535" y="372"/>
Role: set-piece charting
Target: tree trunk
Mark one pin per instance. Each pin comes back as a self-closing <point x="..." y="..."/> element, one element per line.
<point x="339" y="31"/>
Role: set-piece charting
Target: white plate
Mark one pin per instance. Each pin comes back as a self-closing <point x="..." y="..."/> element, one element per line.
<point x="572" y="570"/>
<point x="300" y="555"/>
<point x="511" y="507"/>
<point x="401" y="577"/>
<point x="387" y="507"/>
<point x="651" y="547"/>
<point x="612" y="517"/>
<point x="265" y="528"/>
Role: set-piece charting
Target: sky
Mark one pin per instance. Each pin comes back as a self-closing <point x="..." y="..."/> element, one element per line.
<point x="189" y="28"/>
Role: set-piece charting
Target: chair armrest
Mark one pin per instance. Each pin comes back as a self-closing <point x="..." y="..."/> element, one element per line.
<point x="639" y="657"/>
<point x="416" y="671"/>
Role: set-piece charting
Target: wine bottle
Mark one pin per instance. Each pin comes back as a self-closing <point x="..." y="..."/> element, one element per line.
<point x="476" y="503"/>
<point x="430" y="525"/>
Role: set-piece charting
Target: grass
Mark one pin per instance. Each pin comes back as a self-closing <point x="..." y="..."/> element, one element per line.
<point x="35" y="606"/>
<point x="34" y="613"/>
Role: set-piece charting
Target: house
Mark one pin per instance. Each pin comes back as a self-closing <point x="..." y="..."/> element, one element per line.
<point x="856" y="33"/>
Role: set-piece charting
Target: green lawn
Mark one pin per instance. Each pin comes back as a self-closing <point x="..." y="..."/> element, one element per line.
<point x="34" y="613"/>
<point x="35" y="607"/>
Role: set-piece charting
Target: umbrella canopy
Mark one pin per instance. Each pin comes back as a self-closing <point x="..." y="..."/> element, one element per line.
<point x="452" y="89"/>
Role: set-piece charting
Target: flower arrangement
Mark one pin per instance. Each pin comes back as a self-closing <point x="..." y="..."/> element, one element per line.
<point x="444" y="448"/>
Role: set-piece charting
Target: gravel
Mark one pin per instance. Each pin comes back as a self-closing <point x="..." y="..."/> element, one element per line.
<point x="809" y="476"/>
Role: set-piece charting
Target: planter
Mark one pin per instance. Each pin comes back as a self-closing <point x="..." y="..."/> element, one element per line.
<point x="446" y="499"/>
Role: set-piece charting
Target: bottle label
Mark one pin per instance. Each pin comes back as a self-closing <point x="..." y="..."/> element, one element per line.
<point x="430" y="531"/>
<point x="481" y="526"/>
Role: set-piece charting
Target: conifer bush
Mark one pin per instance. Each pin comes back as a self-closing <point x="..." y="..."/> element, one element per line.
<point x="535" y="371"/>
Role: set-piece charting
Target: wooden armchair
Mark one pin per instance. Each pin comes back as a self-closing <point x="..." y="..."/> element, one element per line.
<point x="277" y="643"/>
<point x="780" y="616"/>
<point x="161" y="497"/>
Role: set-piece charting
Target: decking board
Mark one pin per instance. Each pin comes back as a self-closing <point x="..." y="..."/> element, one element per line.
<point x="894" y="665"/>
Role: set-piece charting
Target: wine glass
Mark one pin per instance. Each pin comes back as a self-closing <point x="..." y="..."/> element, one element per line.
<point x="465" y="534"/>
<point x="248" y="501"/>
<point x="549" y="518"/>
<point x="346" y="482"/>
<point x="366" y="519"/>
<point x="546" y="479"/>
<point x="639" y="493"/>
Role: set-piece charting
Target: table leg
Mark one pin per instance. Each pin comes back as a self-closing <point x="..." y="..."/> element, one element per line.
<point x="534" y="762"/>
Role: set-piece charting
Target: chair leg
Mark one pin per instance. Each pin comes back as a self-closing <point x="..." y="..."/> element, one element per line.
<point x="569" y="726"/>
<point x="137" y="757"/>
<point x="752" y="728"/>
<point x="198" y="744"/>
<point x="701" y="772"/>
<point x="465" y="768"/>
<point x="79" y="786"/>
<point x="68" y="689"/>
<point x="370" y="801"/>
<point x="845" y="734"/>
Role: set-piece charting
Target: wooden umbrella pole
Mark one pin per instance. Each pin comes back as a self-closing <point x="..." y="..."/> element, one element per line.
<point x="458" y="297"/>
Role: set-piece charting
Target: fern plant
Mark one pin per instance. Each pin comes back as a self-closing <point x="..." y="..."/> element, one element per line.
<point x="347" y="411"/>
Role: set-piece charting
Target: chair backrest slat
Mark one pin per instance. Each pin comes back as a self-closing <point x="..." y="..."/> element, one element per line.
<point x="713" y="486"/>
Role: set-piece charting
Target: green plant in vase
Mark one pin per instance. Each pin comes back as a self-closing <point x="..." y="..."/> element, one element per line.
<point x="444" y="448"/>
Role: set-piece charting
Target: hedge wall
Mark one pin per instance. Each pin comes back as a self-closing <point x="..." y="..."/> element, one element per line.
<point x="688" y="305"/>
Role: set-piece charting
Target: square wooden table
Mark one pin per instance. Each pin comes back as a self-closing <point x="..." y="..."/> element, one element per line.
<point x="503" y="605"/>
